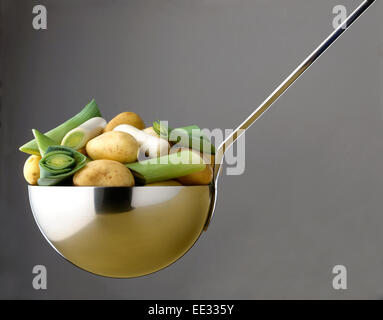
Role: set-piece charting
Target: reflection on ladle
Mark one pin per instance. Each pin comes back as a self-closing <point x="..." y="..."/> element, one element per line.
<point x="129" y="232"/>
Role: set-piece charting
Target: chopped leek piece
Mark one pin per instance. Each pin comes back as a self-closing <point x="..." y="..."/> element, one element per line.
<point x="79" y="137"/>
<point x="188" y="137"/>
<point x="57" y="134"/>
<point x="58" y="163"/>
<point x="167" y="167"/>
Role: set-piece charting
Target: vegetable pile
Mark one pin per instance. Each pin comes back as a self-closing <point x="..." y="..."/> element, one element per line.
<point x="86" y="150"/>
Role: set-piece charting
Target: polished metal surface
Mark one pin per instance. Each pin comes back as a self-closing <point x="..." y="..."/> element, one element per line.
<point x="121" y="232"/>
<point x="127" y="232"/>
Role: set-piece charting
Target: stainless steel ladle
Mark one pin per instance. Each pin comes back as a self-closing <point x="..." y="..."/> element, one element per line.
<point x="127" y="232"/>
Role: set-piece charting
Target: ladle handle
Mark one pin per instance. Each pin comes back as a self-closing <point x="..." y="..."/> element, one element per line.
<point x="287" y="83"/>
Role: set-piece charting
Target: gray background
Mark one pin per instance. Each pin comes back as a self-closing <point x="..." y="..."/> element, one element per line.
<point x="312" y="194"/>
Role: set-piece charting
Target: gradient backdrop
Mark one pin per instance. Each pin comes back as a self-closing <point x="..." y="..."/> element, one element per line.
<point x="312" y="193"/>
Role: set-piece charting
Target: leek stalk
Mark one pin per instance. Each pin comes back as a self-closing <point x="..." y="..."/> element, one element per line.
<point x="188" y="137"/>
<point x="166" y="167"/>
<point x="78" y="137"/>
<point x="57" y="134"/>
<point x="58" y="162"/>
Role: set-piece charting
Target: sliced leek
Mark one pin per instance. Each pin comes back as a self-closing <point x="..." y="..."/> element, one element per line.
<point x="79" y="137"/>
<point x="167" y="167"/>
<point x="149" y="145"/>
<point x="43" y="141"/>
<point x="58" y="163"/>
<point x="188" y="137"/>
<point x="57" y="134"/>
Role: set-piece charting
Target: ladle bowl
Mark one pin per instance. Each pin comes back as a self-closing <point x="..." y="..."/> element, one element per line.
<point x="122" y="232"/>
<point x="128" y="232"/>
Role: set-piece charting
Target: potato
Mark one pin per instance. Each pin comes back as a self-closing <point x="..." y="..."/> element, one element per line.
<point x="151" y="131"/>
<point x="170" y="183"/>
<point x="113" y="145"/>
<point x="125" y="118"/>
<point x="201" y="177"/>
<point x="32" y="169"/>
<point x="104" y="173"/>
<point x="198" y="178"/>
